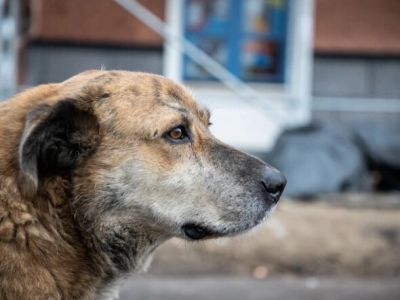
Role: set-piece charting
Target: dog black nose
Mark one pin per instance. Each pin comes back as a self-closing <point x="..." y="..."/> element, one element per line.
<point x="273" y="182"/>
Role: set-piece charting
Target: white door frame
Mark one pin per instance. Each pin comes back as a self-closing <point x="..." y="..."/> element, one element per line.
<point x="294" y="96"/>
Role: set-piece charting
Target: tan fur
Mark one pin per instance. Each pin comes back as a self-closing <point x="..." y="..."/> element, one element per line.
<point x="57" y="232"/>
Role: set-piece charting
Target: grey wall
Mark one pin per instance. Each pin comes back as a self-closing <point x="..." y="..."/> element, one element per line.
<point x="368" y="77"/>
<point x="57" y="63"/>
<point x="357" y="77"/>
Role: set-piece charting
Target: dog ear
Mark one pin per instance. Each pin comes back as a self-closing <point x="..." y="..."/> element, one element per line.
<point x="55" y="140"/>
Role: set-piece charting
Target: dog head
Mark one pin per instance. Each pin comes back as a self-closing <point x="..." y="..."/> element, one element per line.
<point x="139" y="154"/>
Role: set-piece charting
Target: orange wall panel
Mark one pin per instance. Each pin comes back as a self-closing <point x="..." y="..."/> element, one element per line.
<point x="92" y="21"/>
<point x="358" y="27"/>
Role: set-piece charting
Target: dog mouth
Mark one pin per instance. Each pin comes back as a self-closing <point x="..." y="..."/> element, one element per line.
<point x="198" y="232"/>
<point x="195" y="231"/>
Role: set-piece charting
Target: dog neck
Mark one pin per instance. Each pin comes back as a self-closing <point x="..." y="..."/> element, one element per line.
<point x="120" y="249"/>
<point x="126" y="248"/>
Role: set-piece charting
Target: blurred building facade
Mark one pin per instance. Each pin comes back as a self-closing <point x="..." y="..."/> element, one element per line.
<point x="356" y="43"/>
<point x="362" y="31"/>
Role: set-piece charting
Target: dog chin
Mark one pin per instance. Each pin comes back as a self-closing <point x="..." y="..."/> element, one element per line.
<point x="196" y="231"/>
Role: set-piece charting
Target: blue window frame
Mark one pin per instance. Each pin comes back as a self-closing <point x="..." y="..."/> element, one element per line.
<point x="247" y="36"/>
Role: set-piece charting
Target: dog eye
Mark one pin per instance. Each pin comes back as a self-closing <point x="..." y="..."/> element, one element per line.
<point x="177" y="134"/>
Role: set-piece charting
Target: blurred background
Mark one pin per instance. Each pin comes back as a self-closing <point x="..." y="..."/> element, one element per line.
<point x="310" y="86"/>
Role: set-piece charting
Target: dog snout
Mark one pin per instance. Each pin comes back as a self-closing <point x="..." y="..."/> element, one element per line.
<point x="274" y="183"/>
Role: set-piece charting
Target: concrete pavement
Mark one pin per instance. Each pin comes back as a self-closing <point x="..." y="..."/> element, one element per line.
<point x="236" y="288"/>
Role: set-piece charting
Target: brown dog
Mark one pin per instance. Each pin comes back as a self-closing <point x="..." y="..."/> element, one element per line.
<point x="97" y="171"/>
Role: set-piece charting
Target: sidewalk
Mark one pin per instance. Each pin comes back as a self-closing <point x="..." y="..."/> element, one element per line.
<point x="234" y="288"/>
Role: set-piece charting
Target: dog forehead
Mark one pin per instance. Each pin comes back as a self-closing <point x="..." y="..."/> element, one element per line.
<point x="158" y="90"/>
<point x="136" y="87"/>
<point x="144" y="92"/>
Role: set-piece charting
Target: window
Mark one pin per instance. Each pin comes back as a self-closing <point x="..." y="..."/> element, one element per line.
<point x="248" y="37"/>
